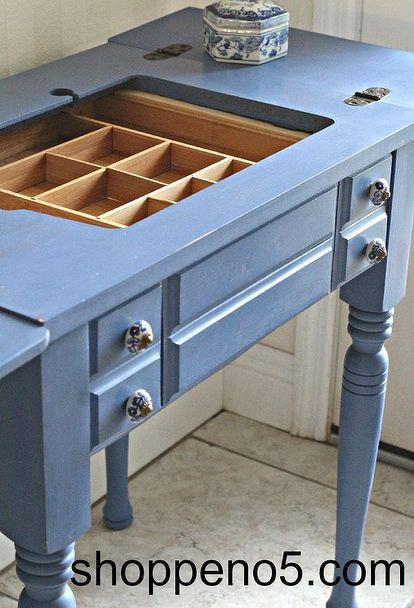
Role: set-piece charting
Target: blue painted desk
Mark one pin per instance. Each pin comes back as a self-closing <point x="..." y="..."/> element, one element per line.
<point x="211" y="274"/>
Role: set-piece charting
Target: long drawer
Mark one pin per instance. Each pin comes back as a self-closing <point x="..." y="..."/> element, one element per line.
<point x="204" y="345"/>
<point x="255" y="255"/>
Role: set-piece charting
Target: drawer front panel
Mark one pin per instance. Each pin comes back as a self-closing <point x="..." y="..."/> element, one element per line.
<point x="356" y="239"/>
<point x="107" y="334"/>
<point x="108" y="399"/>
<point x="255" y="255"/>
<point x="223" y="333"/>
<point x="359" y="185"/>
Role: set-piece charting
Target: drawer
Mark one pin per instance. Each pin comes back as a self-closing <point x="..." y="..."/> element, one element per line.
<point x="255" y="255"/>
<point x="107" y="334"/>
<point x="110" y="393"/>
<point x="356" y="189"/>
<point x="203" y="346"/>
<point x="356" y="237"/>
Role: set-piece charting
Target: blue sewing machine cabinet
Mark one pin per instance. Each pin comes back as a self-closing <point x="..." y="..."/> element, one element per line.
<point x="160" y="213"/>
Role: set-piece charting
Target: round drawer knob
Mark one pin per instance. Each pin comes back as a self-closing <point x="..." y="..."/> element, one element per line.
<point x="138" y="337"/>
<point x="376" y="251"/>
<point x="379" y="192"/>
<point x="138" y="406"/>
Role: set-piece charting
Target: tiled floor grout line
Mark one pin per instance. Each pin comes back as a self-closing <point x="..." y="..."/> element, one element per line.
<point x="294" y="474"/>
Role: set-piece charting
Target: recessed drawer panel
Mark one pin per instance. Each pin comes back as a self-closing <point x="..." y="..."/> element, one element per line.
<point x="107" y="334"/>
<point x="211" y="341"/>
<point x="355" y="239"/>
<point x="110" y="394"/>
<point x="250" y="258"/>
<point x="358" y="188"/>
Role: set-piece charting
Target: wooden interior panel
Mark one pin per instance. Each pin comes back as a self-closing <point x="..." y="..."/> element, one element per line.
<point x="219" y="131"/>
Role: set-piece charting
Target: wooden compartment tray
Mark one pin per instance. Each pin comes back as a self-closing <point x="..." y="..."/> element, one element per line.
<point x="115" y="161"/>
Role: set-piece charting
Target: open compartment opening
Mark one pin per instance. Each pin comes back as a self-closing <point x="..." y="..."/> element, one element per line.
<point x="116" y="159"/>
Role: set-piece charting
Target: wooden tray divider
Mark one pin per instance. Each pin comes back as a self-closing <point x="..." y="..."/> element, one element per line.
<point x="100" y="173"/>
<point x="136" y="210"/>
<point x="107" y="145"/>
<point x="182" y="189"/>
<point x="225" y="168"/>
<point x="101" y="191"/>
<point x="25" y="140"/>
<point x="11" y="201"/>
<point x="41" y="172"/>
<point x="169" y="162"/>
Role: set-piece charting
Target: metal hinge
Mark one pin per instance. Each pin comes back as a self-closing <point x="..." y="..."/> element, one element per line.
<point x="173" y="50"/>
<point x="364" y="98"/>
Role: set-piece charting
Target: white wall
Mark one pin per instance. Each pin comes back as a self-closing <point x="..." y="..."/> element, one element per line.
<point x="32" y="33"/>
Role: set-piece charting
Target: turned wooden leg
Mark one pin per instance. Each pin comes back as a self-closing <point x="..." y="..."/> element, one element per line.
<point x="365" y="379"/>
<point x="117" y="511"/>
<point x="45" y="578"/>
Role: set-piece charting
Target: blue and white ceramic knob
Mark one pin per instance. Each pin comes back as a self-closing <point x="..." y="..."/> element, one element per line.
<point x="139" y="406"/>
<point x="246" y="31"/>
<point x="138" y="337"/>
<point x="379" y="192"/>
<point x="376" y="251"/>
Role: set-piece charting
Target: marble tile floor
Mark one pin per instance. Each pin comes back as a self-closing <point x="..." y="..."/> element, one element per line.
<point x="239" y="490"/>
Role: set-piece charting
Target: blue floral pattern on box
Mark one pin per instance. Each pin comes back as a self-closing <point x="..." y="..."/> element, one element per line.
<point x="246" y="49"/>
<point x="247" y="10"/>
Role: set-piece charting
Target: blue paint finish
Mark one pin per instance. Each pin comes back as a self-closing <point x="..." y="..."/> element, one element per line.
<point x="45" y="447"/>
<point x="117" y="511"/>
<point x="110" y="392"/>
<point x="86" y="283"/>
<point x="20" y="341"/>
<point x="240" y="264"/>
<point x="365" y="381"/>
<point x="215" y="338"/>
<point x="45" y="578"/>
<point x="107" y="333"/>
<point x="385" y="285"/>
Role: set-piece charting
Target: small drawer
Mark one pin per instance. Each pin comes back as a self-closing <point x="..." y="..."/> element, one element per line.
<point x="255" y="255"/>
<point x="110" y="394"/>
<point x="203" y="346"/>
<point x="107" y="334"/>
<point x="355" y="239"/>
<point x="357" y="188"/>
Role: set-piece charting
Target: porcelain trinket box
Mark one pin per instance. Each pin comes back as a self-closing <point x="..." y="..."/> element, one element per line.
<point x="246" y="31"/>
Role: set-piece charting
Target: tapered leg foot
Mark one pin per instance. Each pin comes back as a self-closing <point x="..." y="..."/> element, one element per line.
<point x="363" y="395"/>
<point x="118" y="513"/>
<point x="45" y="578"/>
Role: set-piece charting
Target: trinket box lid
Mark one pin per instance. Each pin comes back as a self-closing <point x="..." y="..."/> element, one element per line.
<point x="246" y="15"/>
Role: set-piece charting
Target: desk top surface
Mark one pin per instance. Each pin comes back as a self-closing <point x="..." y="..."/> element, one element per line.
<point x="66" y="266"/>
